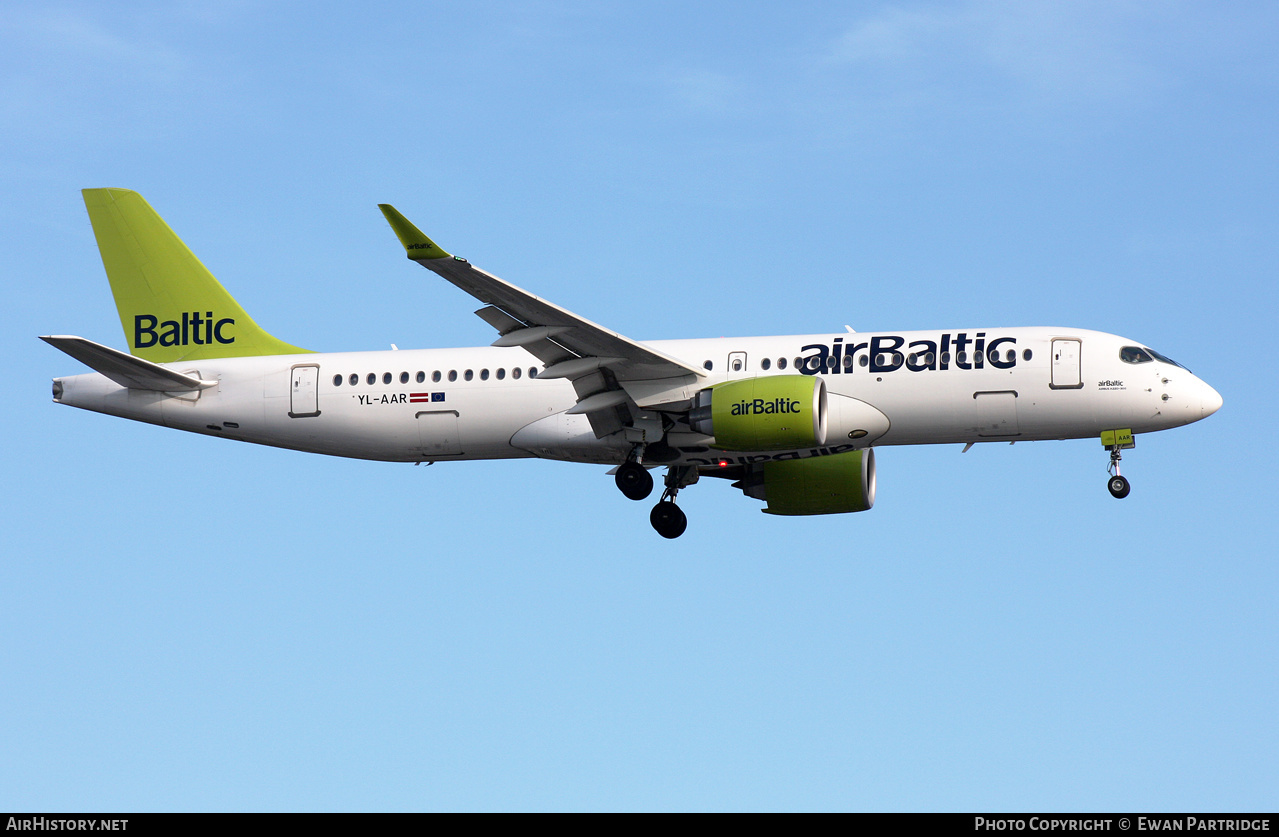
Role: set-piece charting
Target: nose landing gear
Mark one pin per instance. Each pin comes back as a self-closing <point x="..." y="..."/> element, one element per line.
<point x="1117" y="440"/>
<point x="1118" y="486"/>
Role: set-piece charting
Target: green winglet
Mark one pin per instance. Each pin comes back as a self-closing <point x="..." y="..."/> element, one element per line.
<point x="414" y="240"/>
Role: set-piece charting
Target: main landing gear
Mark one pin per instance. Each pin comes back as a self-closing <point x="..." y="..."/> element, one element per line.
<point x="667" y="518"/>
<point x="1117" y="484"/>
<point x="634" y="480"/>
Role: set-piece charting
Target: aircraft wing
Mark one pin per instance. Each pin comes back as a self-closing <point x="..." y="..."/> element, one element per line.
<point x="595" y="359"/>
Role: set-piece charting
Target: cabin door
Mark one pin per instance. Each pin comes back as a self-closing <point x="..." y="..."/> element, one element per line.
<point x="1066" y="359"/>
<point x="303" y="400"/>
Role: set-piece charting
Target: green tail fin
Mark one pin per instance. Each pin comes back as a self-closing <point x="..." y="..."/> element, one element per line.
<point x="171" y="306"/>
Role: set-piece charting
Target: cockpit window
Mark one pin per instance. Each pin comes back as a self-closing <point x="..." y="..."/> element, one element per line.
<point x="1165" y="359"/>
<point x="1135" y="354"/>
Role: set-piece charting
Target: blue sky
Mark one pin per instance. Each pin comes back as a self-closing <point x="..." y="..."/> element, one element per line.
<point x="191" y="624"/>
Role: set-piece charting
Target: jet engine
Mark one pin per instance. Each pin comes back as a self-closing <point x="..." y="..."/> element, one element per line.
<point x="777" y="412"/>
<point x="843" y="482"/>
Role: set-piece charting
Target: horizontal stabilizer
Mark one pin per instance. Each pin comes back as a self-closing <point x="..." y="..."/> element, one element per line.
<point x="125" y="369"/>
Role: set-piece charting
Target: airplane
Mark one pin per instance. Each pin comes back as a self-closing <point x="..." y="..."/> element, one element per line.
<point x="790" y="420"/>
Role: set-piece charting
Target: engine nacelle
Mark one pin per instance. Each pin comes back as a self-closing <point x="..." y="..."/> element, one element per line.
<point x="777" y="412"/>
<point x="843" y="482"/>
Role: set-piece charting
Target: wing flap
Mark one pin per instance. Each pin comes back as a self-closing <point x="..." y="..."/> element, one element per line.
<point x="499" y="319"/>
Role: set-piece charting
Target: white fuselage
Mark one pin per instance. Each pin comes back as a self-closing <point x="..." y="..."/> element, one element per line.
<point x="900" y="388"/>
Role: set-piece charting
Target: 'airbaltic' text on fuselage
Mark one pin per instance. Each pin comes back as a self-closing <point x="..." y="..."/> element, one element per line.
<point x="884" y="353"/>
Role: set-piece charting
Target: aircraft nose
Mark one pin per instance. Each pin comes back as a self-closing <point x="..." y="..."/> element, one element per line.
<point x="1210" y="401"/>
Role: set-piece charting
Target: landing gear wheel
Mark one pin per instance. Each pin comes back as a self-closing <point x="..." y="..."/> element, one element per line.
<point x="634" y="480"/>
<point x="1119" y="487"/>
<point x="668" y="520"/>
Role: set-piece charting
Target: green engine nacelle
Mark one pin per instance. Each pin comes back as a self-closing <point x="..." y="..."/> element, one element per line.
<point x="778" y="412"/>
<point x="843" y="482"/>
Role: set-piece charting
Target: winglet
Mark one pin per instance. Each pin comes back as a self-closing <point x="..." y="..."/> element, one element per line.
<point x="414" y="240"/>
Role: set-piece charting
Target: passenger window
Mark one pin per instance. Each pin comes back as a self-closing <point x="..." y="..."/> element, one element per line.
<point x="515" y="373"/>
<point x="848" y="361"/>
<point x="452" y="375"/>
<point x="372" y="378"/>
<point x="468" y="375"/>
<point x="781" y="363"/>
<point x="737" y="366"/>
<point x="501" y="373"/>
<point x="532" y="371"/>
<point x="708" y="366"/>
<point x="404" y="377"/>
<point x="354" y="379"/>
<point x="435" y="376"/>
<point x="484" y="374"/>
<point x="386" y="377"/>
<point x="1026" y="355"/>
<point x="421" y="377"/>
<point x="864" y="360"/>
<point x="765" y="363"/>
<point x="337" y="380"/>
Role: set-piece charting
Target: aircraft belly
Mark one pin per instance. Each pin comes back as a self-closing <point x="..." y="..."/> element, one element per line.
<point x="922" y="408"/>
<point x="570" y="438"/>
<point x="976" y="405"/>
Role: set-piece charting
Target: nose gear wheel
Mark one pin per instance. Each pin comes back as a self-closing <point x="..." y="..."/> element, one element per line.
<point x="1117" y="484"/>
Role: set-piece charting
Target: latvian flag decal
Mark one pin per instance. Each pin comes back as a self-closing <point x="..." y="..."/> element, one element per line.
<point x="423" y="397"/>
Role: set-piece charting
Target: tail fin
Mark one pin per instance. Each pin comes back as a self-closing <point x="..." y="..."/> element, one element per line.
<point x="170" y="305"/>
